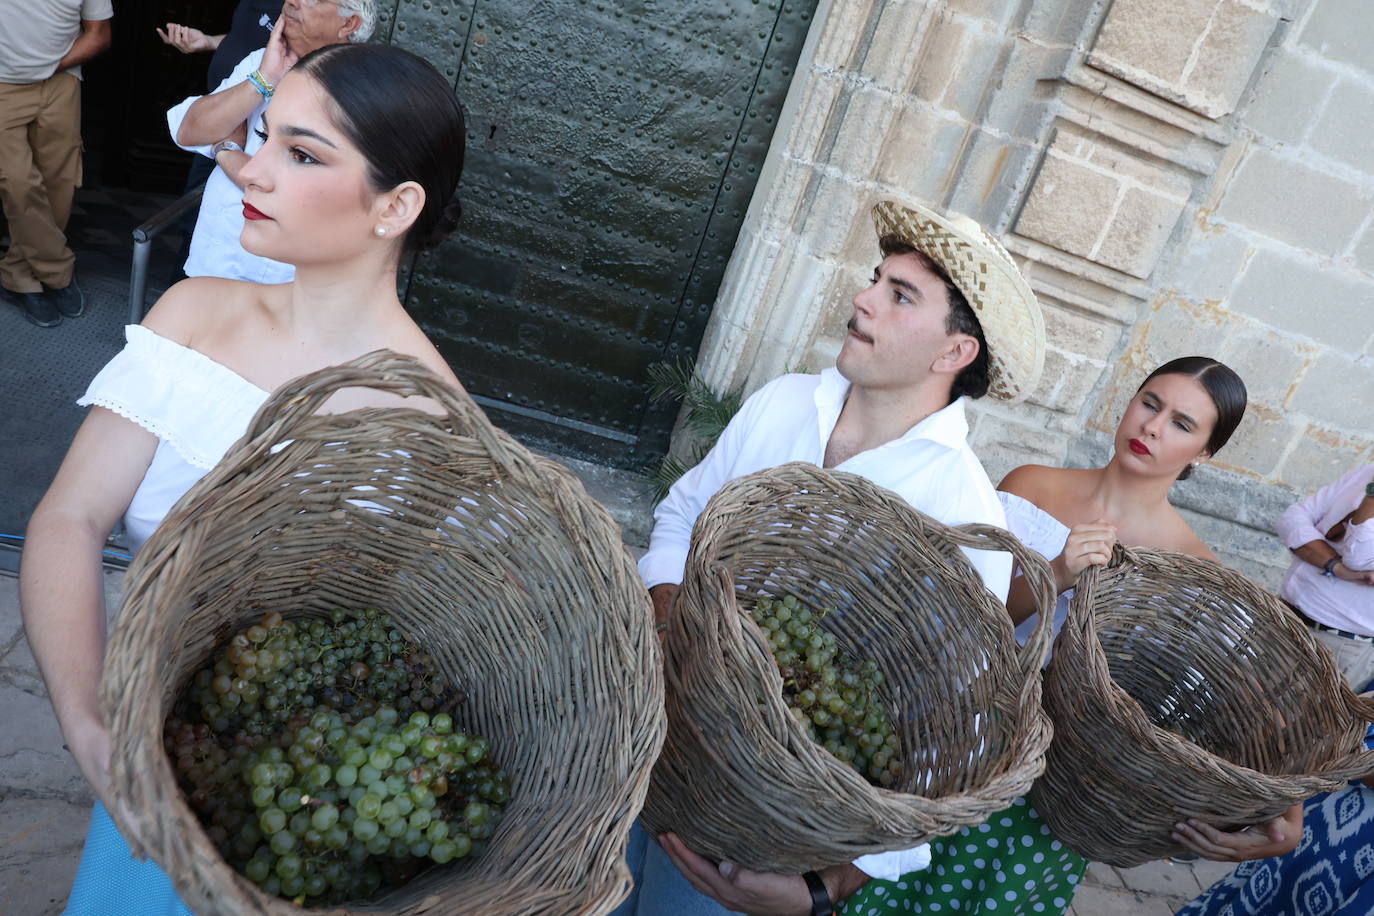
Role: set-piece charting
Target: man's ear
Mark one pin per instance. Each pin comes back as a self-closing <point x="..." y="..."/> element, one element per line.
<point x="348" y="26"/>
<point x="962" y="350"/>
<point x="404" y="204"/>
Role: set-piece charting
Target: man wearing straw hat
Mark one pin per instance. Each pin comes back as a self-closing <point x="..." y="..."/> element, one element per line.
<point x="947" y="317"/>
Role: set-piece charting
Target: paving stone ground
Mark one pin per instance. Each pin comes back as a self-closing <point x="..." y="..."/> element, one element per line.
<point x="44" y="803"/>
<point x="1153" y="889"/>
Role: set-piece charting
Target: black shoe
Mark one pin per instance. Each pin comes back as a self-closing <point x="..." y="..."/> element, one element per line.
<point x="36" y="308"/>
<point x="67" y="300"/>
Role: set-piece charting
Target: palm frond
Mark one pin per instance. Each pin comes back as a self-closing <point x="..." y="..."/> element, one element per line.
<point x="663" y="475"/>
<point x="704" y="417"/>
<point x="709" y="419"/>
<point x="671" y="381"/>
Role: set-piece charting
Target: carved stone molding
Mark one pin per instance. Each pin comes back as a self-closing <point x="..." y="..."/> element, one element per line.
<point x="1077" y="131"/>
<point x="1199" y="54"/>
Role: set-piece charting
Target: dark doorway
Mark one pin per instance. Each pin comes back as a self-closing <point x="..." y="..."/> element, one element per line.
<point x="612" y="151"/>
<point x="128" y="90"/>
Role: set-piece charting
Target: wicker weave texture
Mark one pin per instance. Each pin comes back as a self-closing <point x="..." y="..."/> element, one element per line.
<point x="1180" y="688"/>
<point x="738" y="778"/>
<point x="492" y="558"/>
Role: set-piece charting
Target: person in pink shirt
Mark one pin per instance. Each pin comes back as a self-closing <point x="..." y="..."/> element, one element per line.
<point x="1331" y="581"/>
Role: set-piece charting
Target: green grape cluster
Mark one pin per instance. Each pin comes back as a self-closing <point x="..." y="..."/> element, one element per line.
<point x="833" y="696"/>
<point x="325" y="801"/>
<point x="349" y="662"/>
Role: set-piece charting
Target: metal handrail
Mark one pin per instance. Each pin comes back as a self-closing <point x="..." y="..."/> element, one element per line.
<point x="143" y="246"/>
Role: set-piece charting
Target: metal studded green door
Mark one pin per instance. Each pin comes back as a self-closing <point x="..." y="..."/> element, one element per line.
<point x="612" y="151"/>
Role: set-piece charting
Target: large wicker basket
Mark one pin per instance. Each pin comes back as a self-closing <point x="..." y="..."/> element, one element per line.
<point x="494" y="559"/>
<point x="1180" y="688"/>
<point x="738" y="778"/>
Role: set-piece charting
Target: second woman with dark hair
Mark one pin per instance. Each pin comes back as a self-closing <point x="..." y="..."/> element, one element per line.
<point x="346" y="183"/>
<point x="1179" y="417"/>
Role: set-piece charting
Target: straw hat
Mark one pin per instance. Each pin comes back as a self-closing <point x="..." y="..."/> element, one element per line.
<point x="989" y="279"/>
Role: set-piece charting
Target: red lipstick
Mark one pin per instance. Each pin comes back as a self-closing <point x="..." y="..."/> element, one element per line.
<point x="252" y="212"/>
<point x="1140" y="448"/>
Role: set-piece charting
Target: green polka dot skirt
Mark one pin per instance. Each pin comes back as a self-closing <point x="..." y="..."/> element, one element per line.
<point x="1010" y="866"/>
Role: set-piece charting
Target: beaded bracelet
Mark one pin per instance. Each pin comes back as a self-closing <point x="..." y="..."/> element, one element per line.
<point x="260" y="83"/>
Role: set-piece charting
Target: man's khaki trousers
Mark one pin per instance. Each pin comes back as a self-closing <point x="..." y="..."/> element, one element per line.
<point x="40" y="167"/>
<point x="1354" y="657"/>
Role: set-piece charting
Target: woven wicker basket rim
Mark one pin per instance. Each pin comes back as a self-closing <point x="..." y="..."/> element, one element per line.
<point x="164" y="571"/>
<point x="695" y="672"/>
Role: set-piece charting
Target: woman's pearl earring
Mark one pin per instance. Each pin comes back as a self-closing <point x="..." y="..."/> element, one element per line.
<point x="380" y="230"/>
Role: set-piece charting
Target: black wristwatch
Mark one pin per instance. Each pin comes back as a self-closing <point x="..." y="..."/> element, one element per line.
<point x="1369" y="488"/>
<point x="1329" y="568"/>
<point x="821" y="904"/>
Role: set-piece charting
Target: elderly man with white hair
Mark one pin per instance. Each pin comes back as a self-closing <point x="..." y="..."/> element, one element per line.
<point x="227" y="126"/>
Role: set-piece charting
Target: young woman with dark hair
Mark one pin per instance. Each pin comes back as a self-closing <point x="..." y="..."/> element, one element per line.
<point x="1180" y="416"/>
<point x="344" y="185"/>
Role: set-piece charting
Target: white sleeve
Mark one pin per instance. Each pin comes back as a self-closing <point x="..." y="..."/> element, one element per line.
<point x="1033" y="526"/>
<point x="675" y="516"/>
<point x="994" y="568"/>
<point x="177" y="113"/>
<point x="1357" y="547"/>
<point x="96" y="10"/>
<point x="974" y="501"/>
<point x="889" y="866"/>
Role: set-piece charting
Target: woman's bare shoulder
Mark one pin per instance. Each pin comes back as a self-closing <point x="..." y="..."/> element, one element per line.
<point x="410" y="342"/>
<point x="1180" y="537"/>
<point x="415" y="344"/>
<point x="1037" y="482"/>
<point x="195" y="307"/>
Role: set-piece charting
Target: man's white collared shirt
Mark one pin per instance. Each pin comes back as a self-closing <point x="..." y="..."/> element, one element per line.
<point x="790" y="419"/>
<point x="215" y="247"/>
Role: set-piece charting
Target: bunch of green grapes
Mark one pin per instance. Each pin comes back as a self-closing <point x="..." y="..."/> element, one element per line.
<point x="832" y="695"/>
<point x="335" y="791"/>
<point x="272" y="669"/>
<point x="340" y="801"/>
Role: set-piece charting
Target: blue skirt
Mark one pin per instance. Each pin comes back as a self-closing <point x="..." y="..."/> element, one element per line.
<point x="1331" y="873"/>
<point x="1328" y="874"/>
<point x="111" y="882"/>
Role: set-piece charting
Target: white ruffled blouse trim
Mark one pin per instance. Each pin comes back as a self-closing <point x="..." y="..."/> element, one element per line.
<point x="185" y="398"/>
<point x="1033" y="526"/>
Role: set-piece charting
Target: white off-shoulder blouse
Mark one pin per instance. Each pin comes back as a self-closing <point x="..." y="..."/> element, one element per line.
<point x="195" y="406"/>
<point x="1044" y="534"/>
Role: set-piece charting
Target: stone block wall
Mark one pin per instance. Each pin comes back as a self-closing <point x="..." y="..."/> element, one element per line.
<point x="1193" y="176"/>
<point x="1272" y="273"/>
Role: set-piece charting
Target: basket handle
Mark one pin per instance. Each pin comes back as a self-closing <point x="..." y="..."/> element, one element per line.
<point x="381" y="370"/>
<point x="1087" y="579"/>
<point x="1038" y="576"/>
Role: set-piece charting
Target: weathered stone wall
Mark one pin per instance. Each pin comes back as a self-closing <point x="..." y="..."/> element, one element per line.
<point x="1273" y="272"/>
<point x="1189" y="176"/>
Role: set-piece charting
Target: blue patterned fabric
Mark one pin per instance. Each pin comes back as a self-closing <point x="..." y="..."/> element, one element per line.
<point x="111" y="882"/>
<point x="1329" y="874"/>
